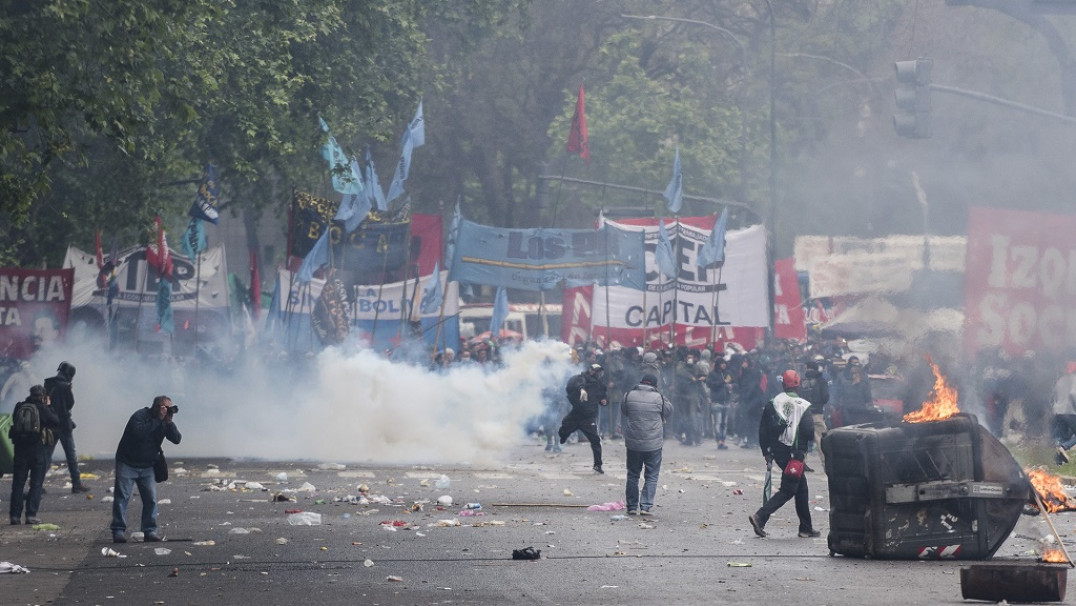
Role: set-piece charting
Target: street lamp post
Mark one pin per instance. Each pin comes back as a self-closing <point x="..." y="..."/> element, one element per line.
<point x="771" y="215"/>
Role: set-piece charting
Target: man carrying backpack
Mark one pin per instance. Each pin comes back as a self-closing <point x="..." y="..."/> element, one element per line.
<point x="32" y="433"/>
<point x="62" y="400"/>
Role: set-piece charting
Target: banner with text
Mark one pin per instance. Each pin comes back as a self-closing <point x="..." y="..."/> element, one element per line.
<point x="697" y="307"/>
<point x="1020" y="282"/>
<point x="34" y="307"/>
<point x="540" y="259"/>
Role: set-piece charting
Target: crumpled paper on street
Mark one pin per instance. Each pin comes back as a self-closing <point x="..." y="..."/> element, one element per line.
<point x="9" y="568"/>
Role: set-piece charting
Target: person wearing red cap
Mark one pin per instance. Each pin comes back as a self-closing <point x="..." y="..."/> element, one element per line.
<point x="784" y="433"/>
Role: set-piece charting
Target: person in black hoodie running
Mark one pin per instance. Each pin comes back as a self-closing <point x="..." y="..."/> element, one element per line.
<point x="586" y="392"/>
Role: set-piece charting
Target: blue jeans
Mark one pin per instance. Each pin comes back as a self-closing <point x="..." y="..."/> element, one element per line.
<point x="638" y="459"/>
<point x="126" y="478"/>
<point x="67" y="440"/>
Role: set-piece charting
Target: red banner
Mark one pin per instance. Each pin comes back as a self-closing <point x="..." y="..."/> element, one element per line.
<point x="788" y="316"/>
<point x="1020" y="281"/>
<point x="34" y="307"/>
<point x="427" y="233"/>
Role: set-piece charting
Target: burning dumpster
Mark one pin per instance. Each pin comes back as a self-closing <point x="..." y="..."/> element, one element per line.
<point x="935" y="486"/>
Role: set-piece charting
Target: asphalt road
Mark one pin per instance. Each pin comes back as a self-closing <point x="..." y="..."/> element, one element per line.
<point x="698" y="549"/>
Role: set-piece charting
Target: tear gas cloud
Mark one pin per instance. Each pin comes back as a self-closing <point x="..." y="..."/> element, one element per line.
<point x="344" y="406"/>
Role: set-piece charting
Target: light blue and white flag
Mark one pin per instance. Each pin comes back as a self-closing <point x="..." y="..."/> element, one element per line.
<point x="432" y="294"/>
<point x="373" y="191"/>
<point x="500" y="312"/>
<point x="414" y="136"/>
<point x="713" y="251"/>
<point x="353" y="207"/>
<point x="315" y="259"/>
<point x="674" y="191"/>
<point x="664" y="255"/>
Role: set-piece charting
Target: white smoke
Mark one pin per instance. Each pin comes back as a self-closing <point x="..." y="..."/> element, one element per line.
<point x="343" y="407"/>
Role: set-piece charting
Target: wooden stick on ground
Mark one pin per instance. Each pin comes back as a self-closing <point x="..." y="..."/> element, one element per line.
<point x="1050" y="523"/>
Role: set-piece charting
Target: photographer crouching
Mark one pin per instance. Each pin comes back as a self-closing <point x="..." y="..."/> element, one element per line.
<point x="136" y="456"/>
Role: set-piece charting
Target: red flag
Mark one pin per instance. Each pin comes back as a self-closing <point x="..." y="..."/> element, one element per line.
<point x="161" y="258"/>
<point x="577" y="139"/>
<point x="255" y="286"/>
<point x="97" y="249"/>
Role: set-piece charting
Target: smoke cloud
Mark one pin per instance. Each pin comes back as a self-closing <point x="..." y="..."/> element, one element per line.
<point x="342" y="406"/>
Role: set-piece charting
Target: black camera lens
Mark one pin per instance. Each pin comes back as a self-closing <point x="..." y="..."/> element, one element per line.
<point x="173" y="409"/>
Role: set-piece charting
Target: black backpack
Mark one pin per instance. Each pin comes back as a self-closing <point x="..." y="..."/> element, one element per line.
<point x="25" y="423"/>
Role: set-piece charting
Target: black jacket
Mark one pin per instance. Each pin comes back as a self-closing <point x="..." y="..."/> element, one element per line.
<point x="815" y="390"/>
<point x="771" y="427"/>
<point x="49" y="420"/>
<point x="62" y="400"/>
<point x="143" y="436"/>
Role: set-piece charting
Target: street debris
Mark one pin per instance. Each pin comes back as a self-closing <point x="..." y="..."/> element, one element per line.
<point x="9" y="568"/>
<point x="305" y="518"/>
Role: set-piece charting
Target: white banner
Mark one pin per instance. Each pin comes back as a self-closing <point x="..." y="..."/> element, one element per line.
<point x="733" y="294"/>
<point x="136" y="284"/>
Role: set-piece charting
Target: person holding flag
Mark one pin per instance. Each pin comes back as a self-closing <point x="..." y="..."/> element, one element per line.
<point x="784" y="434"/>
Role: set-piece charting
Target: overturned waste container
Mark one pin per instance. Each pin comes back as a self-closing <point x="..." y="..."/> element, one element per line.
<point x="939" y="489"/>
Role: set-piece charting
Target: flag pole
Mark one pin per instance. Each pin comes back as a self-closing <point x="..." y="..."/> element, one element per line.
<point x="676" y="283"/>
<point x="608" y="323"/>
<point x="380" y="289"/>
<point x="407" y="272"/>
<point x="441" y="314"/>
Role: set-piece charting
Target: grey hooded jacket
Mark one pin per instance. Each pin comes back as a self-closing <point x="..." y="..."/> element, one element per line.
<point x="644" y="412"/>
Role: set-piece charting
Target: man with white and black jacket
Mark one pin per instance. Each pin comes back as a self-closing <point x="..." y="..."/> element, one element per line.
<point x="784" y="433"/>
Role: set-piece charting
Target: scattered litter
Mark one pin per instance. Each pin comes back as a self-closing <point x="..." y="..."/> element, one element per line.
<point x="332" y="466"/>
<point x="209" y="543"/>
<point x="281" y="541"/>
<point x="394" y="578"/>
<point x="381" y="499"/>
<point x="211" y="473"/>
<point x="424" y="482"/>
<point x="238" y="530"/>
<point x="496" y="523"/>
<point x="739" y="564"/>
<point x="368" y="562"/>
<point x="527" y="553"/>
<point x="610" y="587"/>
<point x="107" y="499"/>
<point x="306" y="487"/>
<point x="174" y="573"/>
<point x="567" y="492"/>
<point x="363" y="488"/>
<point x="46" y="526"/>
<point x="281" y="498"/>
<point x="164" y="501"/>
<point x="305" y="518"/>
<point x="470" y="513"/>
<point x="162" y="551"/>
<point x="108" y="552"/>
<point x="395" y="523"/>
<point x="240" y="557"/>
<point x="820" y="508"/>
<point x="9" y="568"/>
<point x="255" y="486"/>
<point x="618" y="518"/>
<point x="444" y="500"/>
<point x="611" y="506"/>
<point x="473" y="506"/>
<point x="448" y="523"/>
<point x="282" y="477"/>
<point x="442" y="482"/>
<point x="646" y="526"/>
<point x="737" y="492"/>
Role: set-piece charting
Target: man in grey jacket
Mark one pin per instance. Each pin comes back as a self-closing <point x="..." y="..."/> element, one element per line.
<point x="643" y="416"/>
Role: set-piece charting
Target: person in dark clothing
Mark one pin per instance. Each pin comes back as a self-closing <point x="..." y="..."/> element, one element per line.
<point x="137" y="451"/>
<point x="857" y="404"/>
<point x="586" y="392"/>
<point x="60" y="395"/>
<point x="752" y="399"/>
<point x="30" y="458"/>
<point x="720" y="383"/>
<point x="784" y="432"/>
<point x="815" y="390"/>
<point x="687" y="401"/>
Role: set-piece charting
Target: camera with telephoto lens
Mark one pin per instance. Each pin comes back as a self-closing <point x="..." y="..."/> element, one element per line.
<point x="173" y="409"/>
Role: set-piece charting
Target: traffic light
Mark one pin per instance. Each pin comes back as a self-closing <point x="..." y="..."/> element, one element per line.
<point x="913" y="98"/>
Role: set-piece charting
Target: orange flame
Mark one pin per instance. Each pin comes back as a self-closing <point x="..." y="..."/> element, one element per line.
<point x="1054" y="555"/>
<point x="942" y="406"/>
<point x="1048" y="486"/>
